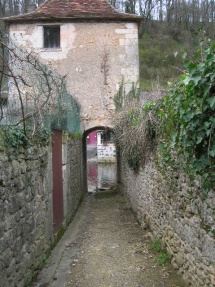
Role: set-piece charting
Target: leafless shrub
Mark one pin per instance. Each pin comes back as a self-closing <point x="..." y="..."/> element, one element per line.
<point x="29" y="90"/>
<point x="136" y="131"/>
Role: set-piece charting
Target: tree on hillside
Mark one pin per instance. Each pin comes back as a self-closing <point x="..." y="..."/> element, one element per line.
<point x="176" y="14"/>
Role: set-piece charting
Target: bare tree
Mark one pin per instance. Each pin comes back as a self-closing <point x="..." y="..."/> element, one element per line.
<point x="29" y="91"/>
<point x="15" y="7"/>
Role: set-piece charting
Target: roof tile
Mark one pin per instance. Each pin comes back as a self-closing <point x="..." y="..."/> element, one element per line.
<point x="74" y="9"/>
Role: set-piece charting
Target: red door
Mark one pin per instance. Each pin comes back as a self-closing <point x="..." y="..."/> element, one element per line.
<point x="92" y="138"/>
<point x="57" y="179"/>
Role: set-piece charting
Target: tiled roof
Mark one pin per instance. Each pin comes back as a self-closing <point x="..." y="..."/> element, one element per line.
<point x="74" y="9"/>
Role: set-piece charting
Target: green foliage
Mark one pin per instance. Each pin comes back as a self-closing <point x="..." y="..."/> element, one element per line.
<point x="188" y="119"/>
<point x="13" y="137"/>
<point x="163" y="257"/>
<point x="134" y="130"/>
<point x="149" y="106"/>
<point x="77" y="135"/>
<point x="156" y="245"/>
<point x="119" y="97"/>
<point x="41" y="137"/>
<point x="122" y="99"/>
<point x="121" y="201"/>
<point x="181" y="125"/>
<point x="206" y="227"/>
<point x="134" y="93"/>
<point x="133" y="159"/>
<point x="157" y="59"/>
<point x="133" y="115"/>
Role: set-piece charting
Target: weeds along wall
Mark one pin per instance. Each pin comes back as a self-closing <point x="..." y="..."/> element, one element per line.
<point x="26" y="209"/>
<point x="176" y="215"/>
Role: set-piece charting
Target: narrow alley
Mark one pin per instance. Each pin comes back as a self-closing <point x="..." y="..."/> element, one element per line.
<point x="105" y="246"/>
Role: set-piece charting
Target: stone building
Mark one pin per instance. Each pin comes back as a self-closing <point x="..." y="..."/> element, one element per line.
<point x="89" y="41"/>
<point x="96" y="47"/>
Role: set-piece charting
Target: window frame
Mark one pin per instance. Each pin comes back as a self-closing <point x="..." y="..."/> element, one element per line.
<point x="49" y="41"/>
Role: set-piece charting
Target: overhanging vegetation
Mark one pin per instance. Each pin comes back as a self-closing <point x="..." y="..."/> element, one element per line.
<point x="180" y="127"/>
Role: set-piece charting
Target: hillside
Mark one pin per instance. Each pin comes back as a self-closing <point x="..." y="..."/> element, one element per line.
<point x="158" y="47"/>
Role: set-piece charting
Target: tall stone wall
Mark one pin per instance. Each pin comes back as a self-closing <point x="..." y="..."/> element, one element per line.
<point x="176" y="214"/>
<point x="26" y="211"/>
<point x="72" y="175"/>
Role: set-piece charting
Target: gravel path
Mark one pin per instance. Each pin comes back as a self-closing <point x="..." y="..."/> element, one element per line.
<point x="113" y="251"/>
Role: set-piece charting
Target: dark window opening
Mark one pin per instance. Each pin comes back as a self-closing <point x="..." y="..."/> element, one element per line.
<point x="51" y="36"/>
<point x="106" y="137"/>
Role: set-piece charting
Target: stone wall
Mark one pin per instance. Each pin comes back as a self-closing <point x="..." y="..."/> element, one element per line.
<point x="72" y="175"/>
<point x="95" y="56"/>
<point x="176" y="214"/>
<point x="26" y="212"/>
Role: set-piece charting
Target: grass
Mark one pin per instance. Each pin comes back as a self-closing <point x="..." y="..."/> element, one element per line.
<point x="157" y="59"/>
<point x="156" y="245"/>
<point x="121" y="201"/>
<point x="163" y="257"/>
<point x="145" y="85"/>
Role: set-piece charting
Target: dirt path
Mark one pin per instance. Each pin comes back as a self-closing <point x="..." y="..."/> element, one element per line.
<point x="113" y="251"/>
<point x="105" y="247"/>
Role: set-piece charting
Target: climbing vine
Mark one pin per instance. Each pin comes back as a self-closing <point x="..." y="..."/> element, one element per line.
<point x="180" y="126"/>
<point x="187" y="134"/>
<point x="13" y="137"/>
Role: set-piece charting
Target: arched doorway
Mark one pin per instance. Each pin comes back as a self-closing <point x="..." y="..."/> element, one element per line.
<point x="99" y="159"/>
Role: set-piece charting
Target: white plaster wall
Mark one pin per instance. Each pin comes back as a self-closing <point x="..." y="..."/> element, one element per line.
<point x="82" y="58"/>
<point x="106" y="151"/>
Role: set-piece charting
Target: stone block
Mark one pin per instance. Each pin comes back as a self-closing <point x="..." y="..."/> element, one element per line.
<point x="208" y="247"/>
<point x="15" y="169"/>
<point x="11" y="268"/>
<point x="6" y="258"/>
<point x="23" y="167"/>
<point x="123" y="31"/>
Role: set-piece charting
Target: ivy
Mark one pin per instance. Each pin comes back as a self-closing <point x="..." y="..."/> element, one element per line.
<point x="187" y="133"/>
<point x="14" y="137"/>
<point x="181" y="125"/>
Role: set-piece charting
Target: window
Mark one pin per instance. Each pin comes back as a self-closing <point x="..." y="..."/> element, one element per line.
<point x="51" y="36"/>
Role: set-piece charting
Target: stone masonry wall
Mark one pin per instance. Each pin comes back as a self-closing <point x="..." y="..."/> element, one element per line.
<point x="176" y="214"/>
<point x="26" y="212"/>
<point x="72" y="175"/>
